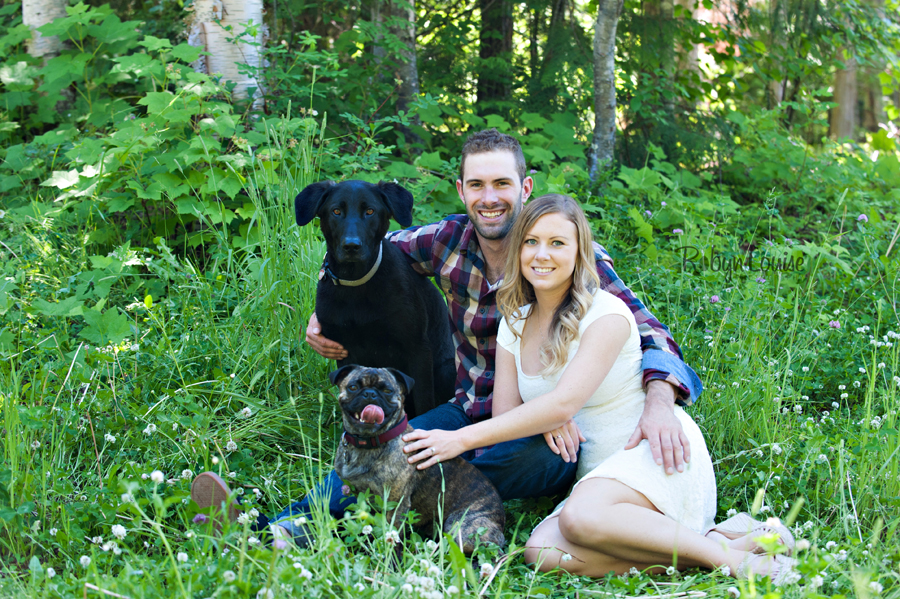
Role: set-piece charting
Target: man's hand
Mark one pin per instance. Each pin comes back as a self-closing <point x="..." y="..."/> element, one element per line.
<point x="564" y="441"/>
<point x="321" y="345"/>
<point x="660" y="426"/>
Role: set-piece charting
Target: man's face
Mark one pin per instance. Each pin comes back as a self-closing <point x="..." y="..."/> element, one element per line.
<point x="492" y="192"/>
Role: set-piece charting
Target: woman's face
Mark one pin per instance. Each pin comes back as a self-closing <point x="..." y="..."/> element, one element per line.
<point x="549" y="254"/>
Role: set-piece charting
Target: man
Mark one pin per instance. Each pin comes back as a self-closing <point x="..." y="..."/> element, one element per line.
<point x="466" y="254"/>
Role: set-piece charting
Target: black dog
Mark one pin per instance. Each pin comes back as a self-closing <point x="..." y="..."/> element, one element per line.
<point x="370" y="456"/>
<point x="369" y="298"/>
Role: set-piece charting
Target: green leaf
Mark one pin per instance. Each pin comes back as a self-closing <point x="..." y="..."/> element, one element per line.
<point x="186" y="53"/>
<point x="17" y="74"/>
<point x="430" y="160"/>
<point x="155" y="43"/>
<point x="105" y="328"/>
<point x="402" y="170"/>
<point x="71" y="306"/>
<point x="157" y="102"/>
<point x="62" y="179"/>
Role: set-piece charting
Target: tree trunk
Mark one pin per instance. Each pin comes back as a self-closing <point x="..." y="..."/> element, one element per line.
<point x="688" y="57"/>
<point x="36" y="13"/>
<point x="775" y="88"/>
<point x="495" y="51"/>
<point x="659" y="15"/>
<point x="843" y="116"/>
<point x="603" y="144"/>
<point x="226" y="53"/>
<point x="403" y="25"/>
<point x="873" y="104"/>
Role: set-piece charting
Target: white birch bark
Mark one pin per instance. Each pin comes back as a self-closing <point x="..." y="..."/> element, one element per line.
<point x="224" y="55"/>
<point x="603" y="144"/>
<point x="844" y="119"/>
<point x="36" y="13"/>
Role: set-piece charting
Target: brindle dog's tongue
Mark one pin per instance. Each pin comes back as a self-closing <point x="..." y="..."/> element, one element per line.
<point x="372" y="414"/>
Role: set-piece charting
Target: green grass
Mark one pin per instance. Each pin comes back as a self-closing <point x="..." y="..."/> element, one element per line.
<point x="208" y="372"/>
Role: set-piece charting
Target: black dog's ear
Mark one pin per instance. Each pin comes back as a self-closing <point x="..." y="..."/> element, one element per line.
<point x="308" y="201"/>
<point x="403" y="379"/>
<point x="338" y="375"/>
<point x="399" y="200"/>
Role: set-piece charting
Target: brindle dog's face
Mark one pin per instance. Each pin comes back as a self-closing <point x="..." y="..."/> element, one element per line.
<point x="371" y="399"/>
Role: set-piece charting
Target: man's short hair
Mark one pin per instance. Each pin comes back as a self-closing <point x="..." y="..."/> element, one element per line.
<point x="491" y="140"/>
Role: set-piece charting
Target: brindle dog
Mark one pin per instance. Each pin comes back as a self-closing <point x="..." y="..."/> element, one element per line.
<point x="371" y="457"/>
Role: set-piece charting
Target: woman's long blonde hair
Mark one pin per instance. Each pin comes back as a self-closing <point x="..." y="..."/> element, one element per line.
<point x="516" y="292"/>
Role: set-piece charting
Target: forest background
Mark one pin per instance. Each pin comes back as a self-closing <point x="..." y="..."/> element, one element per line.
<point x="739" y="160"/>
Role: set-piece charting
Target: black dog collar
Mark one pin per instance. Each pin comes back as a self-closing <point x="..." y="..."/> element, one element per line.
<point x="327" y="272"/>
<point x="373" y="442"/>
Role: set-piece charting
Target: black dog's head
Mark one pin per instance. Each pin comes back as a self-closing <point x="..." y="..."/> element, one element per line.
<point x="354" y="216"/>
<point x="371" y="399"/>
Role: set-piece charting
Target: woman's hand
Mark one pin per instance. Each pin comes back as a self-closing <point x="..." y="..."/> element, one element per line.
<point x="565" y="440"/>
<point x="433" y="446"/>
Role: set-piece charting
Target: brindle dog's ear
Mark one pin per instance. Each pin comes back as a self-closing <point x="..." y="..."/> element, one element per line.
<point x="338" y="375"/>
<point x="308" y="201"/>
<point x="399" y="200"/>
<point x="403" y="379"/>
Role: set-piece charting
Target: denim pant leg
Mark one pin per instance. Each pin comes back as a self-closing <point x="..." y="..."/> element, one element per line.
<point x="526" y="468"/>
<point x="446" y="417"/>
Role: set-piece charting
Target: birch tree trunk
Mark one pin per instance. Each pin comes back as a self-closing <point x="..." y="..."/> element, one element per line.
<point x="226" y="53"/>
<point x="659" y="15"/>
<point x="603" y="144"/>
<point x="36" y="13"/>
<point x="404" y="27"/>
<point x="777" y="39"/>
<point x="843" y="116"/>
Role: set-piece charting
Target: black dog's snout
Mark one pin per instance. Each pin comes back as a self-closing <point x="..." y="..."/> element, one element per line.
<point x="351" y="244"/>
<point x="370" y="394"/>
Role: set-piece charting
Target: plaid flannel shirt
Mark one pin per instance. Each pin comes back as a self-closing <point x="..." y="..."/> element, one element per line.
<point x="448" y="250"/>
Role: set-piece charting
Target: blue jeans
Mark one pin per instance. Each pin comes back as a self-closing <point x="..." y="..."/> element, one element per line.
<point x="518" y="469"/>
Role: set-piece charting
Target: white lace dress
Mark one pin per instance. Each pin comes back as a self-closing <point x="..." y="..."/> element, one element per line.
<point x="609" y="418"/>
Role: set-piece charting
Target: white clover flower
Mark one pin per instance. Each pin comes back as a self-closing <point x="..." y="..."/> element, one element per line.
<point x="634" y="571"/>
<point x="881" y="365"/>
<point x="407" y="588"/>
<point x="266" y="593"/>
<point x="805" y="369"/>
<point x="764" y="509"/>
<point x="816" y="581"/>
<point x="85" y="561"/>
<point x="856" y="384"/>
<point x="301" y="521"/>
<point x="254" y="513"/>
<point x="182" y="557"/>
<point x="452" y="590"/>
<point x="127" y="498"/>
<point x="862" y="370"/>
<point x="841" y="555"/>
<point x="835" y="405"/>
<point x="367" y="530"/>
<point x="253" y="541"/>
<point x="53" y="532"/>
<point x="96" y="540"/>
<point x="726" y="570"/>
<point x="231" y="446"/>
<point x="486" y="569"/>
<point x="245" y="413"/>
<point x="109" y="438"/>
<point x="731" y="512"/>
<point x="830" y="545"/>
<point x="243" y="518"/>
<point x="802" y="545"/>
<point x="804" y="397"/>
<point x="841" y="387"/>
<point x="798" y="409"/>
<point x="35" y="444"/>
<point x="228" y="576"/>
<point x="258" y="493"/>
<point x="876" y="587"/>
<point x="119" y="531"/>
<point x="844" y="396"/>
<point x="670" y="571"/>
<point x="566" y="557"/>
<point x="51" y="572"/>
<point x="735" y="384"/>
<point x="776" y="448"/>
<point x="151" y="428"/>
<point x="360" y="587"/>
<point x="822" y="458"/>
<point x="157" y="477"/>
<point x="186" y="474"/>
<point x="392" y="536"/>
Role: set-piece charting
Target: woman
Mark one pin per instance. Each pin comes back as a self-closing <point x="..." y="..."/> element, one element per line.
<point x="568" y="350"/>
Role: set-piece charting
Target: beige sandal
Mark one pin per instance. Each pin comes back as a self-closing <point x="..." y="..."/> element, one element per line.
<point x="209" y="491"/>
<point x="782" y="571"/>
<point x="744" y="524"/>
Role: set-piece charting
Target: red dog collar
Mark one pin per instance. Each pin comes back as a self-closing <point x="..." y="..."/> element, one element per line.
<point x="373" y="442"/>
